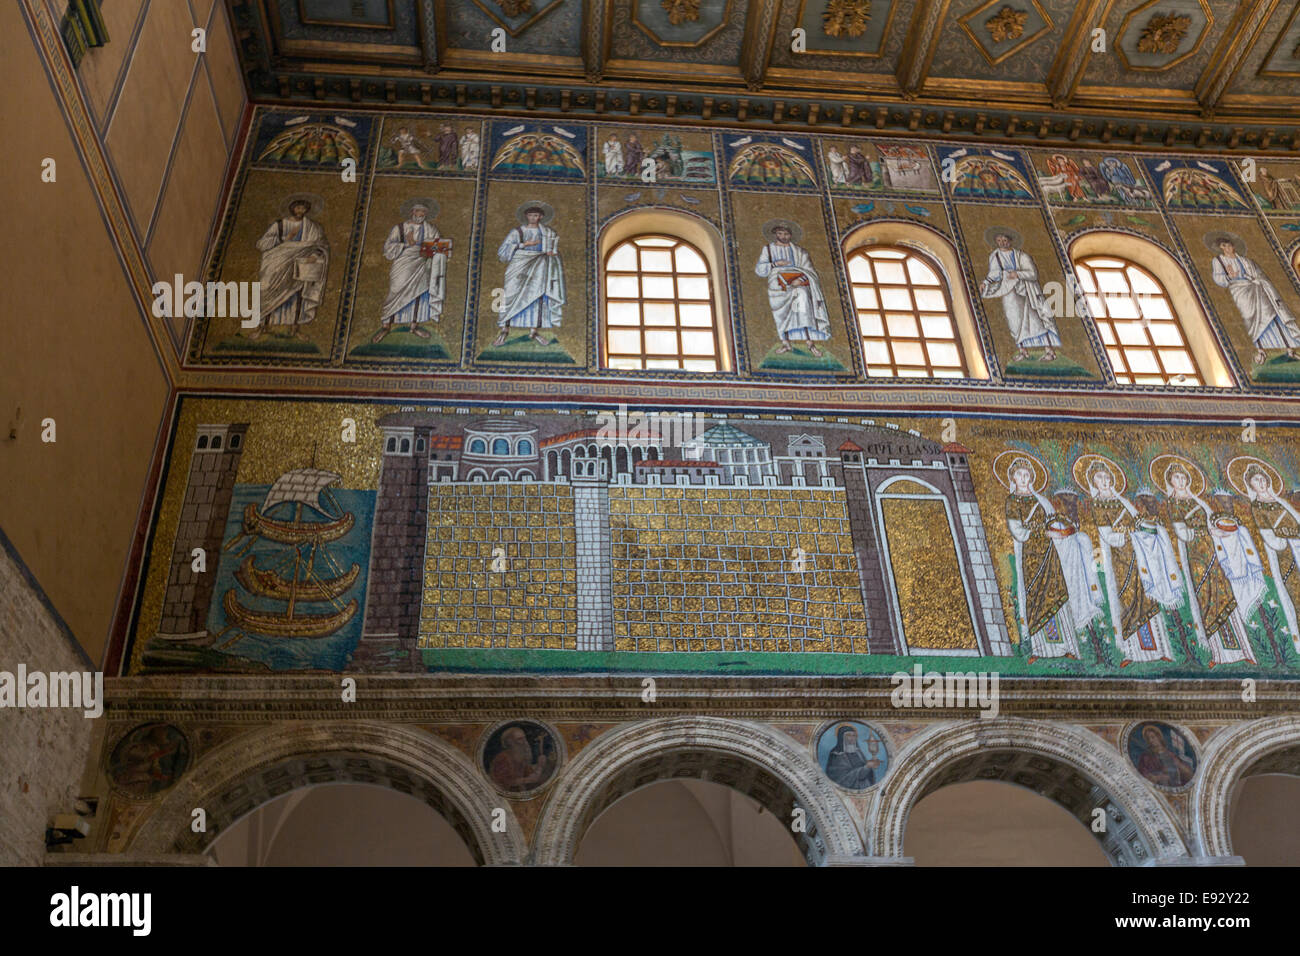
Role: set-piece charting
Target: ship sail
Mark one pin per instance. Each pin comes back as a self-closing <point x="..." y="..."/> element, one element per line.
<point x="301" y="486"/>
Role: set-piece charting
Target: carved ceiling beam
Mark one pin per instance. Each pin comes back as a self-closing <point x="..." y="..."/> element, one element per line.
<point x="1076" y="48"/>
<point x="922" y="41"/>
<point x="595" y="37"/>
<point x="760" y="34"/>
<point x="1238" y="40"/>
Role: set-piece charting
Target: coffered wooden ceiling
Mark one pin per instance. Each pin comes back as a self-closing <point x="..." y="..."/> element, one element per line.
<point x="1178" y="73"/>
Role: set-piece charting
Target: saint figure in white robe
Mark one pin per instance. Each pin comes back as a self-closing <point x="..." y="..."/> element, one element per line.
<point x="1216" y="597"/>
<point x="613" y="156"/>
<point x="295" y="260"/>
<point x="1013" y="278"/>
<point x="1279" y="525"/>
<point x="1269" y="323"/>
<point x="534" y="282"/>
<point x="794" y="291"/>
<point x="1057" y="591"/>
<point x="469" y="148"/>
<point x="417" y="278"/>
<point x="839" y="165"/>
<point x="1142" y="577"/>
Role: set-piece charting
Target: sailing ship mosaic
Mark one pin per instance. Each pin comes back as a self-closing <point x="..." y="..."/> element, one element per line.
<point x="354" y="536"/>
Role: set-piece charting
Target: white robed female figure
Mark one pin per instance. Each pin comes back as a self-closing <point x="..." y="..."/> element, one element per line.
<point x="534" y="282"/>
<point x="794" y="290"/>
<point x="417" y="278"/>
<point x="1013" y="278"/>
<point x="295" y="261"/>
<point x="1138" y="560"/>
<point x="613" y="149"/>
<point x="1057" y="591"/>
<point x="1269" y="323"/>
<point x="839" y="166"/>
<point x="1279" y="525"/>
<point x="1223" y="580"/>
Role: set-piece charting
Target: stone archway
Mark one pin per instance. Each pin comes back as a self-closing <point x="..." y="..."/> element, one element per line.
<point x="1269" y="745"/>
<point x="1068" y="765"/>
<point x="238" y="776"/>
<point x="751" y="758"/>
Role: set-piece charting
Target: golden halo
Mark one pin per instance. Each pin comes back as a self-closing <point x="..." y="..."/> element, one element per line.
<point x="770" y="227"/>
<point x="1239" y="466"/>
<point x="315" y="204"/>
<point x="1160" y="466"/>
<point x="1003" y="464"/>
<point x="548" y="211"/>
<point x="1085" y="464"/>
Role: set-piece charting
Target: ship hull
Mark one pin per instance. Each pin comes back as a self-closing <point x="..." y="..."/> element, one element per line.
<point x="270" y="585"/>
<point x="294" y="532"/>
<point x="278" y="625"/>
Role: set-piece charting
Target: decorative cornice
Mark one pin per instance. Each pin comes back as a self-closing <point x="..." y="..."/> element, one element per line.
<point x="462" y="697"/>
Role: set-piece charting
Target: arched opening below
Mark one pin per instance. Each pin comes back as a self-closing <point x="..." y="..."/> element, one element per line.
<point x="1262" y="808"/>
<point x="341" y="824"/>
<point x="988" y="823"/>
<point x="1060" y="782"/>
<point x="687" y="823"/>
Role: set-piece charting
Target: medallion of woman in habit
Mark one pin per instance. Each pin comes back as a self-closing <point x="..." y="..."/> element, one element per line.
<point x="1268" y="321"/>
<point x="1057" y="590"/>
<point x="149" y="759"/>
<point x="853" y="754"/>
<point x="534" y="283"/>
<point x="520" y="756"/>
<point x="1217" y="557"/>
<point x="1013" y="278"/>
<point x="417" y="278"/>
<point x="1137" y="560"/>
<point x="794" y="290"/>
<point x="1162" y="754"/>
<point x="1278" y="522"/>
<point x="295" y="261"/>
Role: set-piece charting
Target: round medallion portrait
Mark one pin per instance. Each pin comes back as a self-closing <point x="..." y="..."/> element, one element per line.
<point x="853" y="755"/>
<point x="148" y="759"/>
<point x="1164" y="755"/>
<point x="521" y="756"/>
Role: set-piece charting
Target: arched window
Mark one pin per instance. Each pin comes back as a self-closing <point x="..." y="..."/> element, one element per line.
<point x="477" y="447"/>
<point x="1148" y="317"/>
<point x="500" y="447"/>
<point x="216" y="441"/>
<point x="1135" y="319"/>
<point x="203" y="442"/>
<point x="525" y="447"/>
<point x="659" y="310"/>
<point x="391" y="445"/>
<point x="904" y="315"/>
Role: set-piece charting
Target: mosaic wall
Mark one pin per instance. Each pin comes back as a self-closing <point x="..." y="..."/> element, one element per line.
<point x="425" y="261"/>
<point x="318" y="535"/>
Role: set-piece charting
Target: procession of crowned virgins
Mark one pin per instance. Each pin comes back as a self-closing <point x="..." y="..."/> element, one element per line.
<point x="1167" y="572"/>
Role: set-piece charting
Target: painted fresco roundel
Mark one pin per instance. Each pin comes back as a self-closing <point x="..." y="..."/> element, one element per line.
<point x="852" y="754"/>
<point x="1163" y="755"/>
<point x="148" y="759"/>
<point x="521" y="756"/>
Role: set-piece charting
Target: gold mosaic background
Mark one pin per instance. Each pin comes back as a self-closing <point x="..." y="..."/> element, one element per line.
<point x="931" y="595"/>
<point x="712" y="570"/>
<point x="529" y="604"/>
